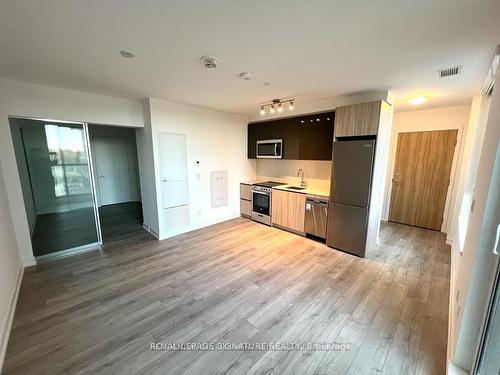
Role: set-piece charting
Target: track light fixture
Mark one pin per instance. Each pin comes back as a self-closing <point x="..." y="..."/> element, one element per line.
<point x="277" y="105"/>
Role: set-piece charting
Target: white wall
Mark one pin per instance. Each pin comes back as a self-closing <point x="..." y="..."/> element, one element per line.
<point x="39" y="101"/>
<point x="10" y="268"/>
<point x="147" y="173"/>
<point x="219" y="141"/>
<point x="471" y="268"/>
<point x="128" y="137"/>
<point x="455" y="117"/>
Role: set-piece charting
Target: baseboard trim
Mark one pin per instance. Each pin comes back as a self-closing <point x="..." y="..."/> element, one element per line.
<point x="148" y="228"/>
<point x="198" y="226"/>
<point x="299" y="233"/>
<point x="453" y="369"/>
<point x="10" y="316"/>
<point x="69" y="252"/>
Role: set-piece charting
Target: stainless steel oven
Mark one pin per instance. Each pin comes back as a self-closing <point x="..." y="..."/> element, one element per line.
<point x="261" y="204"/>
<point x="262" y="193"/>
<point x="270" y="149"/>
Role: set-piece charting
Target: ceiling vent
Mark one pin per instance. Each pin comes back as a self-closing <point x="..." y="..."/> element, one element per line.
<point x="448" y="72"/>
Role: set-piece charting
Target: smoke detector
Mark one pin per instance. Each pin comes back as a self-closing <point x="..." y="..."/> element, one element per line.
<point x="245" y="75"/>
<point x="209" y="62"/>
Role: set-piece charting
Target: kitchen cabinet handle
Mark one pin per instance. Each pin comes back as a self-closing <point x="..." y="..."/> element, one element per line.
<point x="495" y="246"/>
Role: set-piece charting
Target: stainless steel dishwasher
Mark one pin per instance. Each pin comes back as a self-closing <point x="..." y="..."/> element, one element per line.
<point x="316" y="216"/>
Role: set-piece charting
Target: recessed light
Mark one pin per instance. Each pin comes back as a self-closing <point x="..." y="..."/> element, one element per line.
<point x="127" y="54"/>
<point x="417" y="100"/>
<point x="267" y="83"/>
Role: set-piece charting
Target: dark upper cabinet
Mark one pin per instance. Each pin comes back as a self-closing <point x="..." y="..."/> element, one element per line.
<point x="308" y="137"/>
<point x="261" y="131"/>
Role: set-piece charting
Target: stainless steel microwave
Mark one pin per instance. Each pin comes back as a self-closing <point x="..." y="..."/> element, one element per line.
<point x="270" y="149"/>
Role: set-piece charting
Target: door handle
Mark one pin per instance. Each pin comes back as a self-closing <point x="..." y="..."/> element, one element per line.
<point x="101" y="176"/>
<point x="275" y="149"/>
<point x="495" y="246"/>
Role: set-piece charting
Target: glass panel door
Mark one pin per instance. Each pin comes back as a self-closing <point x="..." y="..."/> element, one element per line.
<point x="489" y="362"/>
<point x="57" y="161"/>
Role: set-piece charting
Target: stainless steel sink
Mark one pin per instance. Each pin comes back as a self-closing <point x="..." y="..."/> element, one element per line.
<point x="295" y="188"/>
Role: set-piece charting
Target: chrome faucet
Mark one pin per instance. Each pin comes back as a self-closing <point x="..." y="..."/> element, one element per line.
<point x="301" y="173"/>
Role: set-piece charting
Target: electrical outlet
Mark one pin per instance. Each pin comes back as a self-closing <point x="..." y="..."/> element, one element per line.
<point x="199" y="212"/>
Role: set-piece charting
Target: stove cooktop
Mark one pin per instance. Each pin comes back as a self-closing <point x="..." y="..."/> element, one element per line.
<point x="269" y="184"/>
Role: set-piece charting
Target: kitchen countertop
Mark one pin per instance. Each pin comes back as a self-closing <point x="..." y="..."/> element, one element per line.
<point x="319" y="192"/>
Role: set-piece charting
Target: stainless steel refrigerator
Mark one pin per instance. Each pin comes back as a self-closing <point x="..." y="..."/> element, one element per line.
<point x="351" y="181"/>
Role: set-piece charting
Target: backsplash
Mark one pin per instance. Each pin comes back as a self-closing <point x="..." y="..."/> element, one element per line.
<point x="316" y="172"/>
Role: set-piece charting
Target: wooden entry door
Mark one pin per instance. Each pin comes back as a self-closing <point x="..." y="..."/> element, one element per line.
<point x="421" y="177"/>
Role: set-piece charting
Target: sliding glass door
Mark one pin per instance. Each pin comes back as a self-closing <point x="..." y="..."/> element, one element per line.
<point x="57" y="161"/>
<point x="489" y="355"/>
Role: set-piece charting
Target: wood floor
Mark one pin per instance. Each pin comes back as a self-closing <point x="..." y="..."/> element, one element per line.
<point x="65" y="230"/>
<point x="234" y="282"/>
<point x="120" y="220"/>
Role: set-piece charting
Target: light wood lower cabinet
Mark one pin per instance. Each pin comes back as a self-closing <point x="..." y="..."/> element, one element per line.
<point x="246" y="192"/>
<point x="246" y="200"/>
<point x="288" y="210"/>
<point x="245" y="207"/>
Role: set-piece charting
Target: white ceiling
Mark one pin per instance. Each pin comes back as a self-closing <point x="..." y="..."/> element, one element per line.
<point x="310" y="49"/>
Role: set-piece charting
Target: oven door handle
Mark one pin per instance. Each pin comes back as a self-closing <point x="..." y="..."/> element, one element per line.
<point x="261" y="192"/>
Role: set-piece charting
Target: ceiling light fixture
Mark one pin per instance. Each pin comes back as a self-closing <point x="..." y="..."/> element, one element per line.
<point x="127" y="54"/>
<point x="277" y="104"/>
<point x="417" y="100"/>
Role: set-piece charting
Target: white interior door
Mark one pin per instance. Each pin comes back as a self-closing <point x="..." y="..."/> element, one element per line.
<point x="112" y="169"/>
<point x="173" y="169"/>
<point x="174" y="180"/>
